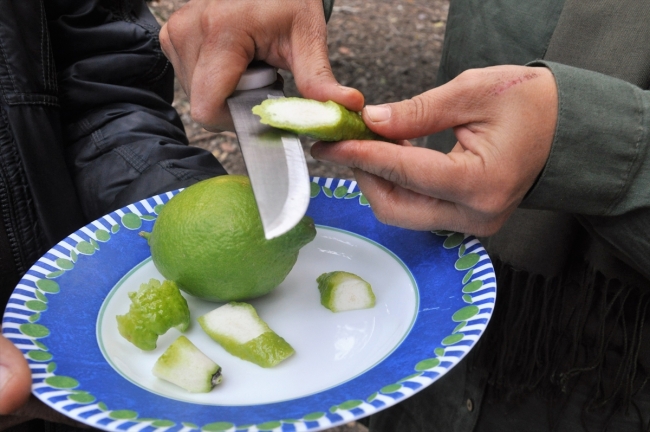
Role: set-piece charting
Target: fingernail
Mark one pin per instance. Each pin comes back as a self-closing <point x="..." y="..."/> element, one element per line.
<point x="378" y="113"/>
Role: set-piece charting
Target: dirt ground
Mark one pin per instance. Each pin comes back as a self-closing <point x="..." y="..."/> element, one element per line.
<point x="388" y="49"/>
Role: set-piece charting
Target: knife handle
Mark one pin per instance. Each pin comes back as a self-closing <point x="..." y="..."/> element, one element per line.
<point x="258" y="75"/>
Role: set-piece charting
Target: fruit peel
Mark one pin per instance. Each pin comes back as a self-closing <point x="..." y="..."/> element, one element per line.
<point x="209" y="239"/>
<point x="342" y="291"/>
<point x="265" y="348"/>
<point x="155" y="308"/>
<point x="186" y="366"/>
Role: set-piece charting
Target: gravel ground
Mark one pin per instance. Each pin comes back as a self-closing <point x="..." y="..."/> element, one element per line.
<point x="388" y="49"/>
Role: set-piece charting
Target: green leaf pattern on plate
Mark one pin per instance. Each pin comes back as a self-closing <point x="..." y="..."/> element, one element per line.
<point x="55" y="274"/>
<point x="314" y="190"/>
<point x="39" y="295"/>
<point x="157" y="210"/>
<point x="340" y="192"/>
<point x="102" y="235"/>
<point x="65" y="264"/>
<point x="82" y="398"/>
<point x="131" y="221"/>
<point x="46" y="286"/>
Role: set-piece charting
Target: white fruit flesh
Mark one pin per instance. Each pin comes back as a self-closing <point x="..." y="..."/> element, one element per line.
<point x="186" y="366"/>
<point x="235" y="322"/>
<point x="303" y="113"/>
<point x="350" y="295"/>
<point x="342" y="291"/>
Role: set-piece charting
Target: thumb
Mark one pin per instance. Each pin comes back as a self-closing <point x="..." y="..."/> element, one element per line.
<point x="427" y="113"/>
<point x="15" y="377"/>
<point x="315" y="80"/>
<point x="312" y="71"/>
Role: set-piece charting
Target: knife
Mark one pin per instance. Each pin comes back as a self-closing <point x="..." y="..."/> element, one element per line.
<point x="274" y="158"/>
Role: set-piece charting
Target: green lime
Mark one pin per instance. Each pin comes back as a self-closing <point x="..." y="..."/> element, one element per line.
<point x="209" y="239"/>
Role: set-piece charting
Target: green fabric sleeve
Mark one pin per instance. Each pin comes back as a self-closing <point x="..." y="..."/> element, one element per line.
<point x="599" y="166"/>
<point x="328" y="6"/>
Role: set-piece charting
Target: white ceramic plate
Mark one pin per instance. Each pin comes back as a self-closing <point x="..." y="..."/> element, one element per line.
<point x="435" y="294"/>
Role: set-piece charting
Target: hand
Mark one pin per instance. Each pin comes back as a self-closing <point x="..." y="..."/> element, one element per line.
<point x="211" y="42"/>
<point x="15" y="377"/>
<point x="504" y="119"/>
<point x="16" y="405"/>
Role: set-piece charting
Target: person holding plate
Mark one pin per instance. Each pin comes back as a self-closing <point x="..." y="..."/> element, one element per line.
<point x="540" y="135"/>
<point x="86" y="127"/>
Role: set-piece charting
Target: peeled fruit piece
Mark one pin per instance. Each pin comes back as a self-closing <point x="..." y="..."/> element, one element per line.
<point x="155" y="308"/>
<point x="186" y="366"/>
<point x="326" y="121"/>
<point x="342" y="291"/>
<point x="240" y="331"/>
<point x="209" y="239"/>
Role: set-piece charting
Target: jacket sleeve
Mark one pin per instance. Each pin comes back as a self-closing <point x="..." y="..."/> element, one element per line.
<point x="124" y="141"/>
<point x="599" y="166"/>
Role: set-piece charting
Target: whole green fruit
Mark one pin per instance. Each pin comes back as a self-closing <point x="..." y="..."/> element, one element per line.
<point x="209" y="239"/>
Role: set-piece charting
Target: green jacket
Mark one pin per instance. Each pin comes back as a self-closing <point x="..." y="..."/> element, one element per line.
<point x="573" y="263"/>
<point x="599" y="167"/>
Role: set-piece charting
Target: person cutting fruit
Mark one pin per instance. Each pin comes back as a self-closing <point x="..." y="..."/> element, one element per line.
<point x="539" y="144"/>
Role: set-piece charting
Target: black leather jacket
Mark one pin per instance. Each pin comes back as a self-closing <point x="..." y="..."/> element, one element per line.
<point x="86" y="122"/>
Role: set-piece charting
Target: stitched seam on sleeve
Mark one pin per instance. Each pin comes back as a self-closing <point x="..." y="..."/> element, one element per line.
<point x="180" y="174"/>
<point x="6" y="60"/>
<point x="43" y="55"/>
<point x="138" y="163"/>
<point x="97" y="137"/>
<point x="637" y="147"/>
<point x="560" y="116"/>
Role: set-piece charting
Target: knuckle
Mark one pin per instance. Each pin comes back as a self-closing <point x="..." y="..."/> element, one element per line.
<point x="201" y="114"/>
<point x="210" y="21"/>
<point x="470" y="77"/>
<point x="319" y="75"/>
<point x="490" y="228"/>
<point x="165" y="41"/>
<point x="176" y="24"/>
<point x="419" y="112"/>
<point x="487" y="206"/>
<point x="384" y="213"/>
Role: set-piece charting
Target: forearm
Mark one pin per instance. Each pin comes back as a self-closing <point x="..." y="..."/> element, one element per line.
<point x="599" y="166"/>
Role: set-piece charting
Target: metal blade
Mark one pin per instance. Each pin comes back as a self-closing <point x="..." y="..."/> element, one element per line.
<point x="275" y="162"/>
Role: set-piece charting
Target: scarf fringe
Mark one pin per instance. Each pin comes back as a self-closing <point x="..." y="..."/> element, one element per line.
<point x="547" y="334"/>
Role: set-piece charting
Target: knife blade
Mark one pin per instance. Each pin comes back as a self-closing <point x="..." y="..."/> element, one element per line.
<point x="274" y="159"/>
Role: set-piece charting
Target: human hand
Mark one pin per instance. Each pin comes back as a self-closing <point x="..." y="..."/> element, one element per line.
<point x="504" y="119"/>
<point x="16" y="405"/>
<point x="15" y="377"/>
<point x="211" y="42"/>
